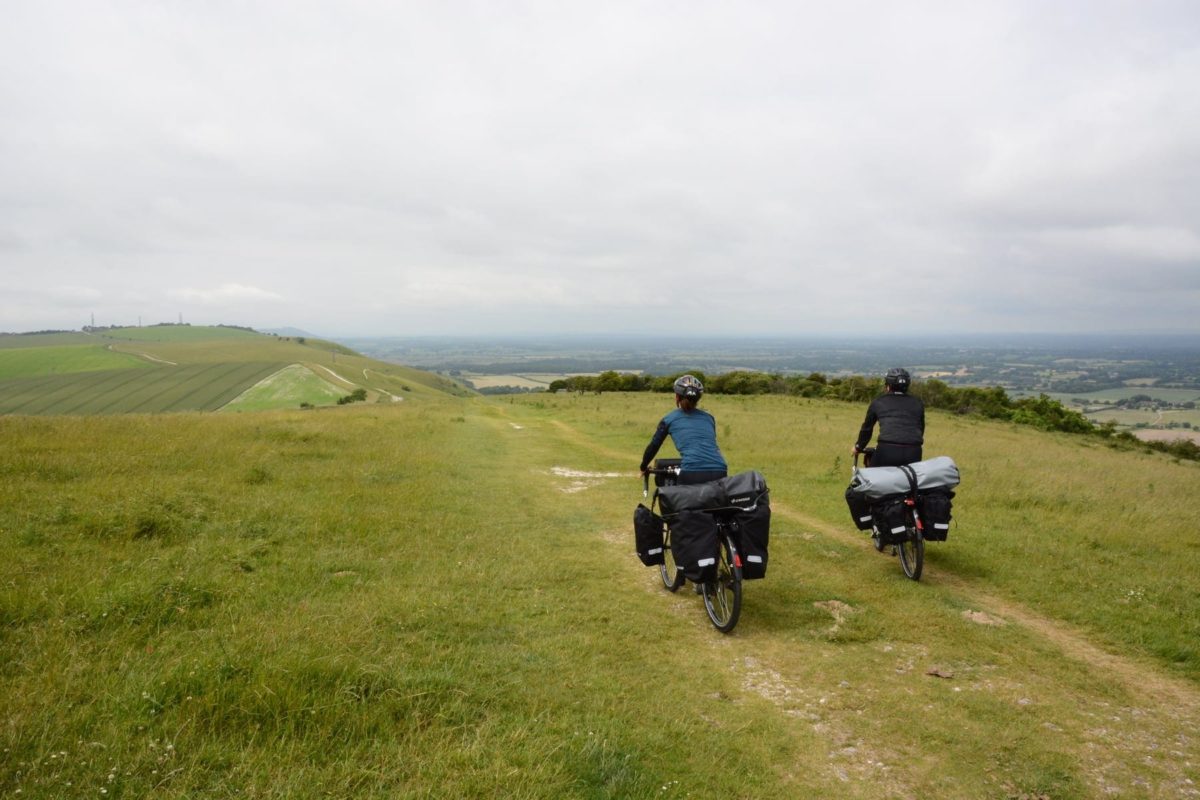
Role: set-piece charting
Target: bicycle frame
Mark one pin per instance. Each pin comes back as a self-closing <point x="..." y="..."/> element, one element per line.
<point x="723" y="595"/>
<point x="912" y="549"/>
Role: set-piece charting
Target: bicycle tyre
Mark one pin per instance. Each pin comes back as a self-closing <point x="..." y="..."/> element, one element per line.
<point x="671" y="574"/>
<point x="912" y="553"/>
<point x="723" y="595"/>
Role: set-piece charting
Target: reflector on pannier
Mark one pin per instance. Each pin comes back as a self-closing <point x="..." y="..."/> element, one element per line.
<point x="755" y="529"/>
<point x="648" y="536"/>
<point x="694" y="544"/>
<point x="890" y="519"/>
<point x="860" y="510"/>
<point x="934" y="507"/>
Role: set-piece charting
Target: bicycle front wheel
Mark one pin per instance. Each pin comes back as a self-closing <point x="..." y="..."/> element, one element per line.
<point x="912" y="553"/>
<point x="723" y="596"/>
<point x="672" y="575"/>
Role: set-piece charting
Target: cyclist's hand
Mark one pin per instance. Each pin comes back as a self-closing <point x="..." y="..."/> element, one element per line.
<point x="855" y="450"/>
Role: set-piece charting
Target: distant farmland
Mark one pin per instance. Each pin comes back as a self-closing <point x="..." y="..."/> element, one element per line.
<point x="194" y="387"/>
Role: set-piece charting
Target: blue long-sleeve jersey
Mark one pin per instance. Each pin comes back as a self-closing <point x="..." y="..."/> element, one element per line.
<point x="694" y="434"/>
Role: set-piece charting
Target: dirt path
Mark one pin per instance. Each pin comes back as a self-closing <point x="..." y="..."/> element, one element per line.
<point x="1144" y="681"/>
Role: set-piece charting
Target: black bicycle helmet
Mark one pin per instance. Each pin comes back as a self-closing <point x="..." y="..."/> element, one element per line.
<point x="897" y="379"/>
<point x="689" y="386"/>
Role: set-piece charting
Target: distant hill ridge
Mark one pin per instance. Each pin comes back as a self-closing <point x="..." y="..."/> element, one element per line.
<point x="162" y="368"/>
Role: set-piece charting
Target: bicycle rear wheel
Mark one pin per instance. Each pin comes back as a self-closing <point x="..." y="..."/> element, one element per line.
<point x="912" y="553"/>
<point x="672" y="575"/>
<point x="723" y="596"/>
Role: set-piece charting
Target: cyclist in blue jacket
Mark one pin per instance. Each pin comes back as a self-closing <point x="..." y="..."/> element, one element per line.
<point x="694" y="433"/>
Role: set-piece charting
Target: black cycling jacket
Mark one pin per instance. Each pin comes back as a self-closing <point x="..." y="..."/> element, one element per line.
<point x="901" y="419"/>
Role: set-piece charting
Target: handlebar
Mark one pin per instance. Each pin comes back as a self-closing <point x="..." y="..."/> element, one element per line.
<point x="866" y="453"/>
<point x="655" y="471"/>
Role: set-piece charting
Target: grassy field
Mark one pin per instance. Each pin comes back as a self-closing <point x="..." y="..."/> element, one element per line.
<point x="480" y="381"/>
<point x="64" y="339"/>
<point x="22" y="362"/>
<point x="1131" y="417"/>
<point x="440" y="599"/>
<point x="1165" y="394"/>
<point x="177" y="333"/>
<point x="195" y="387"/>
<point x="193" y="369"/>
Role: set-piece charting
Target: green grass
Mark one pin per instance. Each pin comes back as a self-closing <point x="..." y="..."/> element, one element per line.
<point x="197" y="387"/>
<point x="406" y="600"/>
<point x="178" y="333"/>
<point x="32" y="361"/>
<point x="193" y="369"/>
<point x="1163" y="393"/>
<point x="287" y="388"/>
<point x="64" y="339"/>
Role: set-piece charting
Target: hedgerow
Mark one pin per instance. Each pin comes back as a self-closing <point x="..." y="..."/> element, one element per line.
<point x="1042" y="412"/>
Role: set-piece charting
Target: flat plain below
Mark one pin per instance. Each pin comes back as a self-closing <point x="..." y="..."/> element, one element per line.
<point x="439" y="598"/>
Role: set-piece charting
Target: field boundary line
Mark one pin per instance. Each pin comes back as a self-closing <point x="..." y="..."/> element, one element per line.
<point x="146" y="356"/>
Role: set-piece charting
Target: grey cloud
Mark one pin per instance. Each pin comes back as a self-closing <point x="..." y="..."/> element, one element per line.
<point x="602" y="166"/>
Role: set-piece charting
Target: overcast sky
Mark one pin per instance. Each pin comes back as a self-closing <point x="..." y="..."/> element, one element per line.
<point x="362" y="168"/>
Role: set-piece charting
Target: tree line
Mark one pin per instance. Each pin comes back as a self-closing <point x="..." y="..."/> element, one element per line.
<point x="1042" y="412"/>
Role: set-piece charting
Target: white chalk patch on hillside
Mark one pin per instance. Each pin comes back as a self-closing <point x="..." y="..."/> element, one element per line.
<point x="581" y="479"/>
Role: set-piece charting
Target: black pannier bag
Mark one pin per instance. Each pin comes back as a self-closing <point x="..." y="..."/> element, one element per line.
<point x="694" y="545"/>
<point x="744" y="489"/>
<point x="890" y="519"/>
<point x="692" y="497"/>
<point x="663" y="463"/>
<point x="648" y="536"/>
<point x="860" y="509"/>
<point x="755" y="528"/>
<point x="935" y="513"/>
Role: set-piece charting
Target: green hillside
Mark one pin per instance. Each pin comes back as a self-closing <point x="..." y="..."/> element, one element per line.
<point x="20" y="362"/>
<point x="193" y="368"/>
<point x="440" y="599"/>
<point x="10" y="341"/>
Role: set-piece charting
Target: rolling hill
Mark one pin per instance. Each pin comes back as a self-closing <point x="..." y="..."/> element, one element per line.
<point x="192" y="368"/>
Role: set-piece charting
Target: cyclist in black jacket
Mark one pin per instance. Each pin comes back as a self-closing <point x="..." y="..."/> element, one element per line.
<point x="901" y="419"/>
